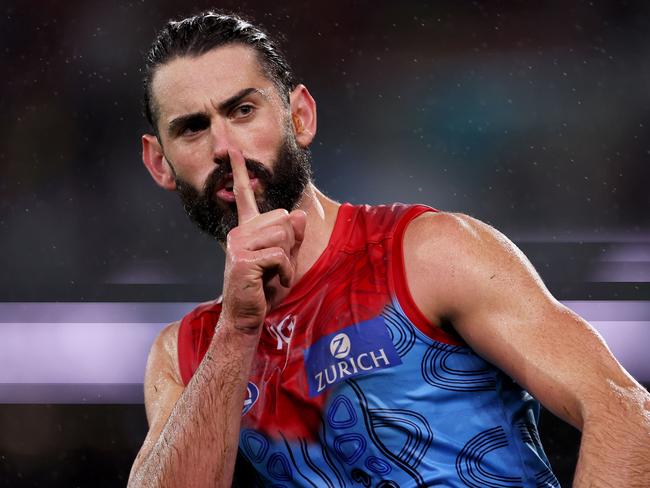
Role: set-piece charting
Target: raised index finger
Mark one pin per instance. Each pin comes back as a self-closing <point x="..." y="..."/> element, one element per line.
<point x="244" y="196"/>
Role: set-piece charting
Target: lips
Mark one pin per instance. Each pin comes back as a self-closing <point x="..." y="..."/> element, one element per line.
<point x="224" y="189"/>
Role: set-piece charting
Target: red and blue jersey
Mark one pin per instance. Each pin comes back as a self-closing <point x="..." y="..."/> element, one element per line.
<point x="351" y="384"/>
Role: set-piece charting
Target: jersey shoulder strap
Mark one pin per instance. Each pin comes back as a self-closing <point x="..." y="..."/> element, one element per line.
<point x="194" y="336"/>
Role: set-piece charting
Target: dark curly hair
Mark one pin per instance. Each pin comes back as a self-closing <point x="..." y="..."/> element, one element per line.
<point x="199" y="34"/>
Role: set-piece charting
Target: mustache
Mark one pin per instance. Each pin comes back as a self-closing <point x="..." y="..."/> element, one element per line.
<point x="220" y="174"/>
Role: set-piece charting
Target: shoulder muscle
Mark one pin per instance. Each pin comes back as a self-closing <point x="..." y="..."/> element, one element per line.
<point x="162" y="387"/>
<point x="451" y="256"/>
<point x="162" y="382"/>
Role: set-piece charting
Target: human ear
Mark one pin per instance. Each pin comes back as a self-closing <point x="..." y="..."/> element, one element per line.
<point x="156" y="163"/>
<point x="303" y="115"/>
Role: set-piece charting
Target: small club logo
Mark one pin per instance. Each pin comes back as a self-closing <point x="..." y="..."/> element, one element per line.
<point x="278" y="331"/>
<point x="252" y="394"/>
<point x="340" y="346"/>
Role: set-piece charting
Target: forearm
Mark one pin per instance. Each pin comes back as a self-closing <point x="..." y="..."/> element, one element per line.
<point x="198" y="445"/>
<point x="615" y="446"/>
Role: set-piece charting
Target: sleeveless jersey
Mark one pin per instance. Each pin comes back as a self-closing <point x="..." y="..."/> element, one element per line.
<point x="352" y="386"/>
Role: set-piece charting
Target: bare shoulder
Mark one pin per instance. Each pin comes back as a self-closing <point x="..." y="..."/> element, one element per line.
<point x="450" y="239"/>
<point x="162" y="372"/>
<point x="164" y="350"/>
<point x="162" y="387"/>
<point x="453" y="230"/>
<point x="449" y="256"/>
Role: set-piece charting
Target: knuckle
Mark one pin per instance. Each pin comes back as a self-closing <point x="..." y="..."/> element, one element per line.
<point x="237" y="259"/>
<point x="233" y="235"/>
<point x="281" y="234"/>
<point x="275" y="252"/>
<point x="233" y="262"/>
<point x="278" y="254"/>
<point x="282" y="256"/>
<point x="281" y="213"/>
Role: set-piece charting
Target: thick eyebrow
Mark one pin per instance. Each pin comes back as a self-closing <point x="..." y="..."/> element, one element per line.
<point x="176" y="125"/>
<point x="224" y="107"/>
<point x="227" y="105"/>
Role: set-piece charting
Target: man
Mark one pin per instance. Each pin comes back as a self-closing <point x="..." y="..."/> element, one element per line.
<point x="381" y="346"/>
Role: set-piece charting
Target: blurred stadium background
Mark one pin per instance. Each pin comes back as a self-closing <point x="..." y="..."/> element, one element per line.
<point x="532" y="116"/>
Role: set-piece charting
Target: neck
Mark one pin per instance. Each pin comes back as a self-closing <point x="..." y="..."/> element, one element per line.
<point x="321" y="215"/>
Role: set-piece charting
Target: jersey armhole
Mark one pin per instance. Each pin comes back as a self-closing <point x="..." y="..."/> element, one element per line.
<point x="399" y="286"/>
<point x="194" y="335"/>
<point x="185" y="349"/>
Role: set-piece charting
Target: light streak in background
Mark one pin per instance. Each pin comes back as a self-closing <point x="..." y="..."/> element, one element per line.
<point x="96" y="352"/>
<point x="624" y="263"/>
<point x="621" y="258"/>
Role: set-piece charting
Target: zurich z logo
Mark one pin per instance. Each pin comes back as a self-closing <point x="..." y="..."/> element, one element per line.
<point x="252" y="394"/>
<point x="340" y="346"/>
<point x="356" y="350"/>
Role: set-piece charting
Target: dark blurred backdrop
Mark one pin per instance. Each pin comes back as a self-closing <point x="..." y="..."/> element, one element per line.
<point x="532" y="116"/>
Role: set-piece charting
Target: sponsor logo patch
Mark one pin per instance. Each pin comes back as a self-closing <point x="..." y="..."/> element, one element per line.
<point x="356" y="350"/>
<point x="252" y="394"/>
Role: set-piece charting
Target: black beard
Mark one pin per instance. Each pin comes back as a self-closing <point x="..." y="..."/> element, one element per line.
<point x="283" y="187"/>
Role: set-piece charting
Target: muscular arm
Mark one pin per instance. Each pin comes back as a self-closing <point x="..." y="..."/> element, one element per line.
<point x="464" y="271"/>
<point x="193" y="433"/>
<point x="193" y="436"/>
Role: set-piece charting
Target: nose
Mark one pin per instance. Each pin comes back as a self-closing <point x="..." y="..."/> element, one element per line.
<point x="222" y="140"/>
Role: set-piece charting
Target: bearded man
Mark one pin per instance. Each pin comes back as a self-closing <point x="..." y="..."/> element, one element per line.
<point x="388" y="346"/>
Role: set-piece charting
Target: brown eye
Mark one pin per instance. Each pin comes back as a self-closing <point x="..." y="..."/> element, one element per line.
<point x="243" y="111"/>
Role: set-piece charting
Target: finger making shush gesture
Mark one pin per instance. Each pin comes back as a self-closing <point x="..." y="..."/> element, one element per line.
<point x="260" y="253"/>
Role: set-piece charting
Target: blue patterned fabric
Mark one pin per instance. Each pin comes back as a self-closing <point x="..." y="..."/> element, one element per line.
<point x="438" y="415"/>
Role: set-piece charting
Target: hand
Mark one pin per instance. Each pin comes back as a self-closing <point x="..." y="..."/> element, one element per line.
<point x="259" y="251"/>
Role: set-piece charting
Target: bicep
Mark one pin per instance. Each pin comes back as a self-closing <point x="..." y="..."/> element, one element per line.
<point x="513" y="321"/>
<point x="162" y="387"/>
<point x="549" y="350"/>
<point x="500" y="306"/>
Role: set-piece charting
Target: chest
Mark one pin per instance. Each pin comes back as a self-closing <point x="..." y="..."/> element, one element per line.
<point x="332" y="333"/>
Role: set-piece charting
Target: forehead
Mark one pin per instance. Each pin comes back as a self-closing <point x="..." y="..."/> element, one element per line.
<point x="190" y="83"/>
